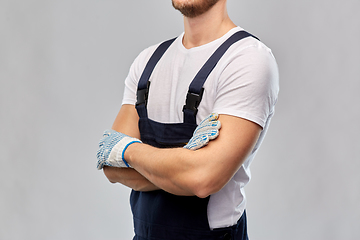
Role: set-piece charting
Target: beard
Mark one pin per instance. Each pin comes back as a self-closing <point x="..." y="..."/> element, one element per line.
<point x="193" y="8"/>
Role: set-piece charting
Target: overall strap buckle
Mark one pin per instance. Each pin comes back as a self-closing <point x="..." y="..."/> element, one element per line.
<point x="142" y="95"/>
<point x="192" y="101"/>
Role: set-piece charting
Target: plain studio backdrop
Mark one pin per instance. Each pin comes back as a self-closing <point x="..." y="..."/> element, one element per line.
<point x="62" y="70"/>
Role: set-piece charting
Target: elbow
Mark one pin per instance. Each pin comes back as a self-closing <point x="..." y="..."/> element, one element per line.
<point x="204" y="193"/>
<point x="203" y="188"/>
<point x="108" y="175"/>
<point x="111" y="181"/>
<point x="142" y="186"/>
<point x="138" y="188"/>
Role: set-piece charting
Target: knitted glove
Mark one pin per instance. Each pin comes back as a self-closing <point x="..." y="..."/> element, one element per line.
<point x="207" y="130"/>
<point x="112" y="148"/>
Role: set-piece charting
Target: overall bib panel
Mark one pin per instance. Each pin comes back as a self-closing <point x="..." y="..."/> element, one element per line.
<point x="159" y="215"/>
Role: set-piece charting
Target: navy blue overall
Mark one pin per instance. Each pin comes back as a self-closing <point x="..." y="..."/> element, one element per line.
<point x="159" y="215"/>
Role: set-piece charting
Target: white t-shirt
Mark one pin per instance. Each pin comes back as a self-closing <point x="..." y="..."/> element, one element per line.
<point x="244" y="83"/>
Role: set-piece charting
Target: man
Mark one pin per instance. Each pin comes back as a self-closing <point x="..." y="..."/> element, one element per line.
<point x="216" y="68"/>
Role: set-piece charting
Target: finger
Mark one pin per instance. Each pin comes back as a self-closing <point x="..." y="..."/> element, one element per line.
<point x="107" y="132"/>
<point x="195" y="146"/>
<point x="212" y="133"/>
<point x="210" y="117"/>
<point x="197" y="141"/>
<point x="215" y="124"/>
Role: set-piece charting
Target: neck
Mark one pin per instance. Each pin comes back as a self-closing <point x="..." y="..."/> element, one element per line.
<point x="207" y="27"/>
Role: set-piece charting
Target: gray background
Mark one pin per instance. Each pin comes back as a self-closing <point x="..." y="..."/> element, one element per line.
<point x="62" y="66"/>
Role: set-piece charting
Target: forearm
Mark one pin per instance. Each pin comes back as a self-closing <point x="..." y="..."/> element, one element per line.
<point x="201" y="172"/>
<point x="181" y="171"/>
<point x="178" y="171"/>
<point x="130" y="178"/>
<point x="127" y="123"/>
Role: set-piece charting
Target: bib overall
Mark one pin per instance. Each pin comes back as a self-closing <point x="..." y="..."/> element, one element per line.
<point x="159" y="215"/>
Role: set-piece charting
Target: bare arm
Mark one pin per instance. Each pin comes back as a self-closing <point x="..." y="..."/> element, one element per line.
<point x="202" y="172"/>
<point x="127" y="123"/>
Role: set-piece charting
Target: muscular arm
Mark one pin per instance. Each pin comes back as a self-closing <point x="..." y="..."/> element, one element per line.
<point x="127" y="123"/>
<point x="202" y="172"/>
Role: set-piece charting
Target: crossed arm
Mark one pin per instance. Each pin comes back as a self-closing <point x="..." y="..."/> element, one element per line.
<point x="182" y="171"/>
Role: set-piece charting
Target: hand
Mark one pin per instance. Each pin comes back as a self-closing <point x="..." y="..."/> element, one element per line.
<point x="112" y="148"/>
<point x="207" y="130"/>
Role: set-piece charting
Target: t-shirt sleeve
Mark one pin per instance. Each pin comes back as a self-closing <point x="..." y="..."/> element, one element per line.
<point x="248" y="86"/>
<point x="133" y="77"/>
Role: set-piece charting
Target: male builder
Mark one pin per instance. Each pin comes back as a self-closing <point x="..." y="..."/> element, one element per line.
<point x="176" y="95"/>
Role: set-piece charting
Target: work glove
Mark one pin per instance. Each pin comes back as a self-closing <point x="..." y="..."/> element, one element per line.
<point x="207" y="130"/>
<point x="112" y="148"/>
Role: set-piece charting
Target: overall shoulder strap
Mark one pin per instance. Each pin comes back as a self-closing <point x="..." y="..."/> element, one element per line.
<point x="196" y="89"/>
<point x="144" y="83"/>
